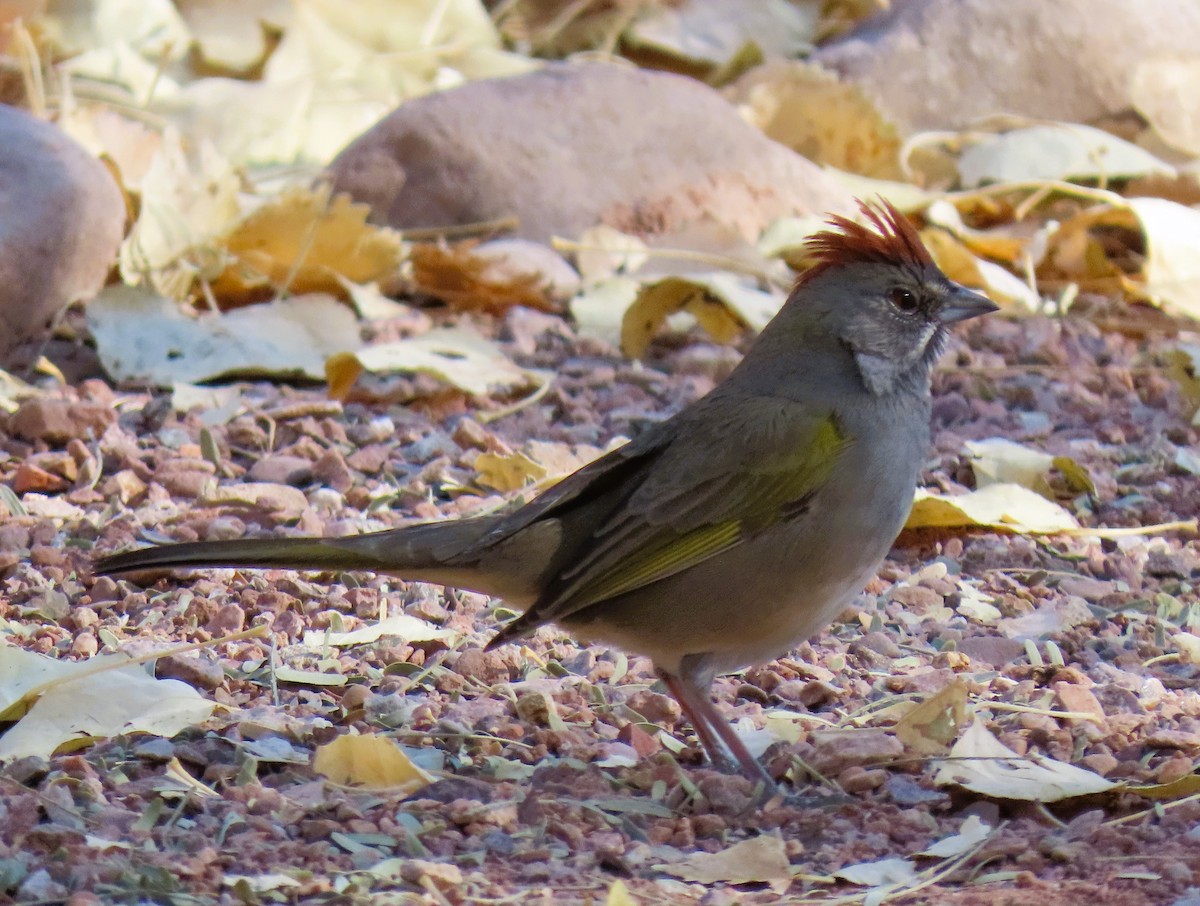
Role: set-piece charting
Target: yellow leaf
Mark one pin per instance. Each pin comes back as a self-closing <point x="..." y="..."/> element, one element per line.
<point x="806" y="107"/>
<point x="507" y="472"/>
<point x="1005" y="507"/>
<point x="932" y="726"/>
<point x="619" y="895"/>
<point x="304" y="242"/>
<point x="702" y="299"/>
<point x="369" y="762"/>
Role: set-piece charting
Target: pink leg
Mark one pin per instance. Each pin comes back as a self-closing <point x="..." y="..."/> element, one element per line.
<point x="715" y="733"/>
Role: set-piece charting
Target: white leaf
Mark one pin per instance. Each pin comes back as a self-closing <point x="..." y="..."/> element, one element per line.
<point x="981" y="763"/>
<point x="408" y="628"/>
<point x="142" y="336"/>
<point x="972" y="832"/>
<point x="1053" y="152"/>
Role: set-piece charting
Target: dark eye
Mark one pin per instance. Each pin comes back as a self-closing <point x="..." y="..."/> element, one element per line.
<point x="904" y="299"/>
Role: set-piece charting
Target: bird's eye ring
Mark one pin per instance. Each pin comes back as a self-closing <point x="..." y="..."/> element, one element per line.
<point x="905" y="300"/>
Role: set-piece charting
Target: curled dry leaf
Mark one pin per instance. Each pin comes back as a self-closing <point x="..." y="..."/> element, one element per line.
<point x="707" y="36"/>
<point x="983" y="764"/>
<point x="722" y="303"/>
<point x="932" y="726"/>
<point x="806" y="107"/>
<point x="537" y="463"/>
<point x="1162" y="260"/>
<point x="997" y="460"/>
<point x="493" y="277"/>
<point x="304" y="242"/>
<point x="370" y="763"/>
<point x="1164" y="91"/>
<point x="1184" y="366"/>
<point x="1006" y="507"/>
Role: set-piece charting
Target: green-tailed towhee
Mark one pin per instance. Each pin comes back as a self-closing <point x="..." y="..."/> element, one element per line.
<point x="730" y="532"/>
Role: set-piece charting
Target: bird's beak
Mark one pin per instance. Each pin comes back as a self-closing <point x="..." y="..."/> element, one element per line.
<point x="963" y="303"/>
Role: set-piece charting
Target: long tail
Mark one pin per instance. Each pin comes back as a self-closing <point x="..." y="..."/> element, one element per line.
<point x="422" y="552"/>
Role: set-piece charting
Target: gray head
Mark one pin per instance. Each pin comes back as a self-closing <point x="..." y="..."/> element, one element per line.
<point x="881" y="297"/>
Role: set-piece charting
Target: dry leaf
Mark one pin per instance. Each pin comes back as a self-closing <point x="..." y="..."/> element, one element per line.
<point x="144" y="337"/>
<point x="1164" y="91"/>
<point x="468" y="276"/>
<point x="1184" y="365"/>
<point x="1006" y="507"/>
<point x="304" y="242"/>
<point x="971" y="834"/>
<point x="761" y="860"/>
<point x="884" y="873"/>
<point x="1056" y="151"/>
<point x="714" y="34"/>
<point x="932" y="726"/>
<point x="458" y="356"/>
<point x="58" y="712"/>
<point x="981" y="763"/>
<point x="539" y="462"/>
<point x="619" y="895"/>
<point x="371" y="763"/>
<point x="410" y="629"/>
<point x="722" y="303"/>
<point x="184" y="205"/>
<point x="804" y="106"/>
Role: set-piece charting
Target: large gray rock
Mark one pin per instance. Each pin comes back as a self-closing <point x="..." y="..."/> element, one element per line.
<point x="571" y="146"/>
<point x="938" y="64"/>
<point x="61" y="222"/>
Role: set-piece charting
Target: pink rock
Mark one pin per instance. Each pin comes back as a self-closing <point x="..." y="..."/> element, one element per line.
<point x="570" y="146"/>
<point x="61" y="221"/>
<point x="938" y="64"/>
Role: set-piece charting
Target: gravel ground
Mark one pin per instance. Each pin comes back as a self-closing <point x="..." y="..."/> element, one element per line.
<point x="566" y="769"/>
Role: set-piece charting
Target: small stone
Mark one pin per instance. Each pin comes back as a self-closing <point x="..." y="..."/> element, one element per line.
<point x="1086" y="587"/>
<point x="917" y="598"/>
<point x="194" y="669"/>
<point x="331" y="471"/>
<point x="655" y="707"/>
<point x="1078" y="698"/>
<point x="125" y="485"/>
<point x="995" y="651"/>
<point x="882" y="643"/>
<point x="282" y="501"/>
<point x="84" y="645"/>
<point x="1174" y="768"/>
<point x="855" y="779"/>
<point x="1100" y="762"/>
<point x="355" y="696"/>
<point x="417" y="871"/>
<point x="105" y="588"/>
<point x="57" y="421"/>
<point x="1173" y="739"/>
<point x="468" y="433"/>
<point x="29" y="477"/>
<point x="370" y="459"/>
<point x="281" y="469"/>
<point x="642" y="742"/>
<point x="487" y="667"/>
<point x="837" y="750"/>
<point x="906" y="791"/>
<point x="228" y="619"/>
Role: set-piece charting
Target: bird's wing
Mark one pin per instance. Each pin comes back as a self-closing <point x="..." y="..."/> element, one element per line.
<point x="732" y="469"/>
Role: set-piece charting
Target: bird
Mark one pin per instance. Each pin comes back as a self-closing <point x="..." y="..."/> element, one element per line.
<point x="728" y="533"/>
